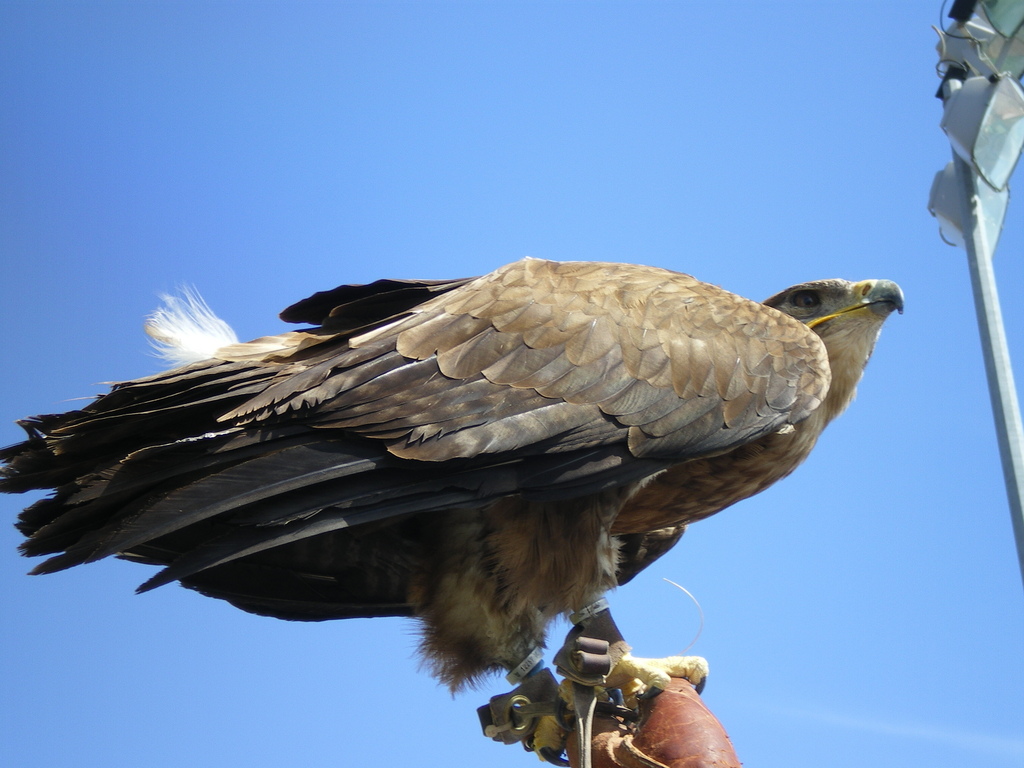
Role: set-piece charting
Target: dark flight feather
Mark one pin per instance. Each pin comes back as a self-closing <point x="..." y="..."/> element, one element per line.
<point x="421" y="431"/>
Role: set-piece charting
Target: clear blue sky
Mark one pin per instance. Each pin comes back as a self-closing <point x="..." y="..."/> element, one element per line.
<point x="866" y="611"/>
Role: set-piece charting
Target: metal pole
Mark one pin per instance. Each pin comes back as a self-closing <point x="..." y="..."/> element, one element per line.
<point x="1005" y="407"/>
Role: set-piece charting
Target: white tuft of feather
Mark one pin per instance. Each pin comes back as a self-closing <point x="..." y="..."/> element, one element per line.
<point x="185" y="330"/>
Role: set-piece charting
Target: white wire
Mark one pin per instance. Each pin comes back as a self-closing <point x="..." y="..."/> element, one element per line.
<point x="700" y="612"/>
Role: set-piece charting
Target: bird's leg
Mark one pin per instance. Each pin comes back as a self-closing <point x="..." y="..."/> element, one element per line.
<point x="596" y="662"/>
<point x="534" y="713"/>
<point x="591" y="650"/>
<point x="593" y="646"/>
<point x="531" y="713"/>
<point x="596" y="657"/>
<point x="595" y="653"/>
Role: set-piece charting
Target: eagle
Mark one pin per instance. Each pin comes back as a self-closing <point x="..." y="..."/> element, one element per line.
<point x="482" y="454"/>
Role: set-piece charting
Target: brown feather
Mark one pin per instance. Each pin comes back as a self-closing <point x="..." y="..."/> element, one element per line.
<point x="465" y="451"/>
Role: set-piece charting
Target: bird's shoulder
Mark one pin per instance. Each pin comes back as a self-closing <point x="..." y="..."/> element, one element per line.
<point x="674" y="365"/>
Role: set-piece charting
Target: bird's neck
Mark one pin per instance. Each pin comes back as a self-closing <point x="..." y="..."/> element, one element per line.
<point x="848" y="353"/>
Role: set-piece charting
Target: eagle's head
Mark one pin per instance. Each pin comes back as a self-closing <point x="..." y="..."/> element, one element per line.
<point x="848" y="317"/>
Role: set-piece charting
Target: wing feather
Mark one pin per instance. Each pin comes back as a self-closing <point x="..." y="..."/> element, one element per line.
<point x="542" y="379"/>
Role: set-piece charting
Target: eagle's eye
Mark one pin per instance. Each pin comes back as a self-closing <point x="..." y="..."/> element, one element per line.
<point x="805" y="300"/>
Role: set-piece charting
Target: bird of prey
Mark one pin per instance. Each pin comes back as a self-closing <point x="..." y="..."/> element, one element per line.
<point x="482" y="454"/>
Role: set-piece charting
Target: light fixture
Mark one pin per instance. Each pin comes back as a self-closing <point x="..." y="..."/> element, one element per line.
<point x="1005" y="16"/>
<point x="945" y="204"/>
<point x="984" y="120"/>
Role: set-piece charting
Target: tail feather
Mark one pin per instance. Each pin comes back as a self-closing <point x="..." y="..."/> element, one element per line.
<point x="185" y="330"/>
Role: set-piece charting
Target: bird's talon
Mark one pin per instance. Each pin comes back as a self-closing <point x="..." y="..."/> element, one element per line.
<point x="553" y="756"/>
<point x="548" y="740"/>
<point x="638" y="677"/>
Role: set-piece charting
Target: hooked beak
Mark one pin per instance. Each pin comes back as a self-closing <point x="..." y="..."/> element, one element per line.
<point x="880" y="296"/>
<point x="883" y="296"/>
